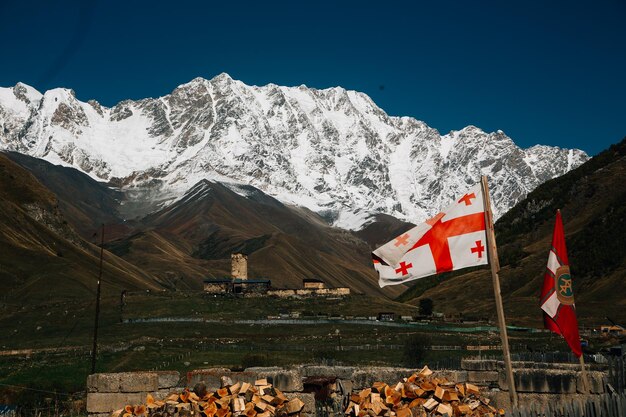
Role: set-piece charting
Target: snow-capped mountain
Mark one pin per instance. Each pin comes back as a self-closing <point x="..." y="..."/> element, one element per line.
<point x="333" y="151"/>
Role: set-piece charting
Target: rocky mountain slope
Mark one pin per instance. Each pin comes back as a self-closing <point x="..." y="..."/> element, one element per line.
<point x="333" y="151"/>
<point x="85" y="204"/>
<point x="592" y="199"/>
<point x="43" y="259"/>
<point x="192" y="239"/>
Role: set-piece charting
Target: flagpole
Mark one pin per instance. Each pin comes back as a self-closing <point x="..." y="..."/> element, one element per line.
<point x="495" y="268"/>
<point x="586" y="387"/>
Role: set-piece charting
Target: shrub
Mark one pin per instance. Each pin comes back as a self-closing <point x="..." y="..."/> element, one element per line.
<point x="254" y="359"/>
<point x="415" y="350"/>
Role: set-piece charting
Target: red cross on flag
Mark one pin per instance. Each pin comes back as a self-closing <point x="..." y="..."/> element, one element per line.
<point x="453" y="239"/>
<point x="557" y="295"/>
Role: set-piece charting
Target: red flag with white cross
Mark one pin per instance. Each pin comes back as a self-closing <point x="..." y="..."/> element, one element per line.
<point x="453" y="239"/>
<point x="557" y="295"/>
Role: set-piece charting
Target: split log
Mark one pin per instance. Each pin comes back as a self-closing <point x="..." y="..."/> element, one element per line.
<point x="431" y="404"/>
<point x="267" y="398"/>
<point x="450" y="395"/>
<point x="237" y="404"/>
<point x="234" y="389"/>
<point x="392" y="397"/>
<point x="473" y="404"/>
<point x="404" y="412"/>
<point x="439" y="393"/>
<point x="425" y="372"/>
<point x="379" y="387"/>
<point x="222" y="412"/>
<point x="279" y="394"/>
<point x="471" y="389"/>
<point x="427" y="386"/>
<point x="222" y="392"/>
<point x="417" y="402"/>
<point x="377" y="407"/>
<point x="464" y="409"/>
<point x="444" y="409"/>
<point x="460" y="389"/>
<point x="294" y="406"/>
<point x="210" y="409"/>
<point x="365" y="393"/>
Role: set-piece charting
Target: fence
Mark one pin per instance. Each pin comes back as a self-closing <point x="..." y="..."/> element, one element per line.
<point x="617" y="373"/>
<point x="606" y="405"/>
<point x="548" y="357"/>
<point x="7" y="411"/>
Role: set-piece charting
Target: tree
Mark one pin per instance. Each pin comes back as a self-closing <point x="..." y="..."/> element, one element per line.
<point x="414" y="350"/>
<point x="426" y="307"/>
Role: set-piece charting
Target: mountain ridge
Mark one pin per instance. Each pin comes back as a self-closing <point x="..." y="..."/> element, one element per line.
<point x="330" y="150"/>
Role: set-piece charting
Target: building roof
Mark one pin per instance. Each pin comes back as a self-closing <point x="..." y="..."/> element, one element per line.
<point x="236" y="281"/>
<point x="251" y="281"/>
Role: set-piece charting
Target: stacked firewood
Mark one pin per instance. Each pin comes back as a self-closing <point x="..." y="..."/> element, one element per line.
<point x="241" y="399"/>
<point x="421" y="395"/>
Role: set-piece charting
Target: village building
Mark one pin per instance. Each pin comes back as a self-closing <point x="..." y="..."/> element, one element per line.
<point x="236" y="286"/>
<point x="386" y="316"/>
<point x="239" y="283"/>
<point x="313" y="284"/>
<point x="613" y="330"/>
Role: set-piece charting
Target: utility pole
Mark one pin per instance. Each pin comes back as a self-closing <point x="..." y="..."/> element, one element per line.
<point x="94" y="350"/>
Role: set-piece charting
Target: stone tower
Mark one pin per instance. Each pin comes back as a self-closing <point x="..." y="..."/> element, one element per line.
<point x="239" y="266"/>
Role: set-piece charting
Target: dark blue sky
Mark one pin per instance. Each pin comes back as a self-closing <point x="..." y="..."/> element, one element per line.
<point x="543" y="71"/>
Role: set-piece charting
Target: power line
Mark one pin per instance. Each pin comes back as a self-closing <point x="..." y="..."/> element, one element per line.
<point x="37" y="390"/>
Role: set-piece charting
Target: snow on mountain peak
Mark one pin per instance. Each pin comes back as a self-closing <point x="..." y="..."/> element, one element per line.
<point x="332" y="150"/>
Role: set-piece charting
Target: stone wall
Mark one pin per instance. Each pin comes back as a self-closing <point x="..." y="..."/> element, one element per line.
<point x="282" y="293"/>
<point x="217" y="287"/>
<point x="536" y="383"/>
<point x="257" y="288"/>
<point x="110" y="392"/>
<point x="310" y="292"/>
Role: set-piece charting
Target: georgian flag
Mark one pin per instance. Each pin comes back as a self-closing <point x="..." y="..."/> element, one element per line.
<point x="453" y="239"/>
<point x="557" y="295"/>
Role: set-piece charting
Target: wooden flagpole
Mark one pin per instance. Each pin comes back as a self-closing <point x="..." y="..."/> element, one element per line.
<point x="586" y="386"/>
<point x="495" y="268"/>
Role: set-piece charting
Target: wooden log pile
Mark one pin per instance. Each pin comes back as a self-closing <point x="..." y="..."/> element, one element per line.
<point x="421" y="395"/>
<point x="241" y="399"/>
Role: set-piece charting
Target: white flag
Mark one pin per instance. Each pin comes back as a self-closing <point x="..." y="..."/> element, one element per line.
<point x="453" y="239"/>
